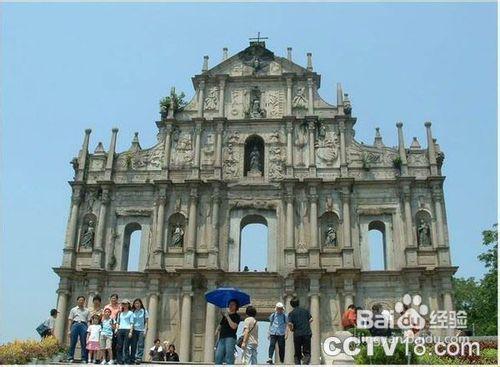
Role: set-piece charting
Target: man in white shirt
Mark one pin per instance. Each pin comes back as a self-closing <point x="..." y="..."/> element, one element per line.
<point x="77" y="328"/>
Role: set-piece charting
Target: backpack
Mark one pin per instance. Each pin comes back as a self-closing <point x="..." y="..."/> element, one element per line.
<point x="42" y="329"/>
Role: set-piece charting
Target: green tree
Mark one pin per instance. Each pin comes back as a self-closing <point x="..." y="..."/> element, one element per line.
<point x="480" y="298"/>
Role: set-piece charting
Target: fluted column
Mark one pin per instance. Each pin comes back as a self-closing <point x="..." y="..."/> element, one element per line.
<point x="408" y="216"/>
<point x="201" y="97"/>
<point x="314" y="249"/>
<point x="159" y="237"/>
<point x="192" y="224"/>
<point x="310" y="102"/>
<point x="289" y="85"/>
<point x="98" y="250"/>
<point x="222" y="86"/>
<point x="213" y="252"/>
<point x="289" y="221"/>
<point x="343" y="152"/>
<point x="185" y="338"/>
<point x="208" y="355"/>
<point x="111" y="155"/>
<point x="166" y="149"/>
<point x="346" y="216"/>
<point x="438" y="209"/>
<point x="312" y="150"/>
<point x="197" y="148"/>
<point x="315" y="325"/>
<point x="70" y="245"/>
<point x="289" y="148"/>
<point x="402" y="150"/>
<point x="62" y="307"/>
<point x="153" y="320"/>
<point x="218" y="149"/>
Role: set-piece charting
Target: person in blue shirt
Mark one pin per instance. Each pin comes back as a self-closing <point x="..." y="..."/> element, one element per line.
<point x="278" y="332"/>
<point x="124" y="332"/>
<point x="141" y="317"/>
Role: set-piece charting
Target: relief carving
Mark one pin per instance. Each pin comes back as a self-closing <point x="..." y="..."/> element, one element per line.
<point x="184" y="152"/>
<point x="327" y="149"/>
<point x="231" y="162"/>
<point x="275" y="103"/>
<point x="276" y="163"/>
<point x="299" y="100"/>
<point x="212" y="99"/>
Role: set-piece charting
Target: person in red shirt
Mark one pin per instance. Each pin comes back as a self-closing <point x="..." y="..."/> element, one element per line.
<point x="349" y="317"/>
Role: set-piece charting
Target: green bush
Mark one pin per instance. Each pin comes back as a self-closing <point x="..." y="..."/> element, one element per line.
<point x="379" y="356"/>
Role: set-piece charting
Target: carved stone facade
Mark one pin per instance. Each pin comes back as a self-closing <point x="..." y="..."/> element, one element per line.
<point x="318" y="190"/>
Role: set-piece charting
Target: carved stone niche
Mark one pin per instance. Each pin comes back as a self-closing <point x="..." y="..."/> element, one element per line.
<point x="254" y="156"/>
<point x="87" y="233"/>
<point x="176" y="234"/>
<point x="329" y="224"/>
<point x="423" y="223"/>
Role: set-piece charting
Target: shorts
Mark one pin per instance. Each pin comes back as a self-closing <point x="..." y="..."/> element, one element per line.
<point x="93" y="346"/>
<point x="106" y="341"/>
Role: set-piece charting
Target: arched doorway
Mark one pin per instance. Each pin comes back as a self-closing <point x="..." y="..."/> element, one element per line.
<point x="131" y="252"/>
<point x="377" y="245"/>
<point x="253" y="243"/>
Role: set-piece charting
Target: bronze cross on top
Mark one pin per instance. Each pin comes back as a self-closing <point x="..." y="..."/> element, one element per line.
<point x="258" y="38"/>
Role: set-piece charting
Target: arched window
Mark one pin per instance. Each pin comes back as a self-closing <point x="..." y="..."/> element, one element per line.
<point x="254" y="156"/>
<point x="131" y="254"/>
<point x="377" y="245"/>
<point x="253" y="243"/>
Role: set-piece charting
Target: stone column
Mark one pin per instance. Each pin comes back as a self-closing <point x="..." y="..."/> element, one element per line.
<point x="160" y="227"/>
<point x="166" y="149"/>
<point x="289" y="348"/>
<point x="201" y="97"/>
<point x="98" y="251"/>
<point x="208" y="355"/>
<point x="197" y="149"/>
<point x="348" y="292"/>
<point x="312" y="150"/>
<point x="192" y="224"/>
<point x="213" y="252"/>
<point x="289" y="220"/>
<point x="111" y="155"/>
<point x="343" y="152"/>
<point x="185" y="338"/>
<point x="82" y="156"/>
<point x="437" y="198"/>
<point x="289" y="148"/>
<point x="431" y="149"/>
<point x="153" y="321"/>
<point x="222" y="85"/>
<point x="310" y="102"/>
<point x="346" y="216"/>
<point x="62" y="308"/>
<point x="313" y="222"/>
<point x="402" y="150"/>
<point x="315" y="325"/>
<point x="218" y="149"/>
<point x="70" y="245"/>
<point x="448" y="306"/>
<point x="289" y="85"/>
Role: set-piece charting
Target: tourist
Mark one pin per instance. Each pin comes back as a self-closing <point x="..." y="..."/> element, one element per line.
<point x="250" y="337"/>
<point x="278" y="321"/>
<point x="227" y="334"/>
<point x="141" y="317"/>
<point x="299" y="321"/>
<point x="49" y="324"/>
<point x="124" y="330"/>
<point x="93" y="338"/>
<point x="349" y="317"/>
<point x="114" y="306"/>
<point x="77" y="328"/>
<point x="156" y="353"/>
<point x="106" y="340"/>
<point x="171" y="355"/>
<point x="96" y="306"/>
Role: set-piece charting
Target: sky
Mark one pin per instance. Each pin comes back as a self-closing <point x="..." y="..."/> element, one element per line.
<point x="67" y="67"/>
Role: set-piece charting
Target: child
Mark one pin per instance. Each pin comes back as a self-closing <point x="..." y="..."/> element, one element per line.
<point x="107" y="330"/>
<point x="93" y="335"/>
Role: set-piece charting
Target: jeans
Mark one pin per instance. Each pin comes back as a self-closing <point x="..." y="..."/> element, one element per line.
<point x="250" y="354"/>
<point x="302" y="344"/>
<point x="137" y="346"/>
<point x="225" y="351"/>
<point x="78" y="330"/>
<point x="280" y="339"/>
<point x="123" y="346"/>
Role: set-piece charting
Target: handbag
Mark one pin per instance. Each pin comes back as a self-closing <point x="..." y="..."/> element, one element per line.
<point x="240" y="339"/>
<point x="42" y="329"/>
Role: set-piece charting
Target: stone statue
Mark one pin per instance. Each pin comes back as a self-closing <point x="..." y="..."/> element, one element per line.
<point x="300" y="101"/>
<point x="88" y="236"/>
<point x="330" y="236"/>
<point x="255" y="110"/>
<point x="177" y="235"/>
<point x="255" y="165"/>
<point x="424" y="238"/>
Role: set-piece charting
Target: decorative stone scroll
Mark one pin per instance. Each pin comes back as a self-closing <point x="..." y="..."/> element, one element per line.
<point x="211" y="102"/>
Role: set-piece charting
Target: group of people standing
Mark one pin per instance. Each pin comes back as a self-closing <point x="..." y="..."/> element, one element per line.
<point x="280" y="323"/>
<point x="115" y="332"/>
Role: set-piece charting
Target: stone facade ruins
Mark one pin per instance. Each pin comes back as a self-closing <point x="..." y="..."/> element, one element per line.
<point x="256" y="144"/>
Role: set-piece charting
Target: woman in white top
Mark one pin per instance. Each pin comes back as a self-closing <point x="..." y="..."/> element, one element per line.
<point x="250" y="337"/>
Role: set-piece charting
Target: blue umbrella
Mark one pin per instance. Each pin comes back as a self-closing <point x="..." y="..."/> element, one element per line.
<point x="222" y="296"/>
